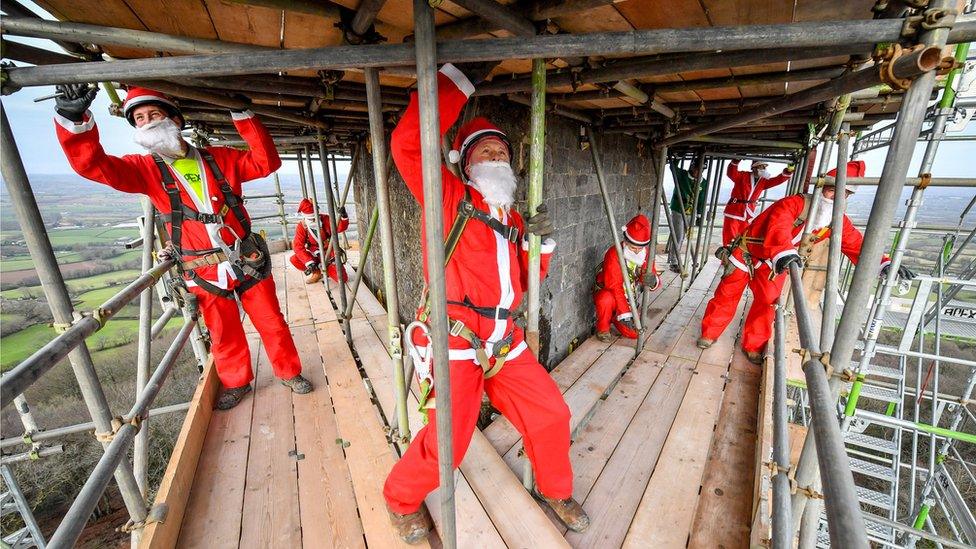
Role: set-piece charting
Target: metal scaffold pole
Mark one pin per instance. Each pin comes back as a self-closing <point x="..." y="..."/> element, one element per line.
<point x="910" y="117"/>
<point x="782" y="524"/>
<point x="140" y="452"/>
<point x="656" y="194"/>
<point x="426" y="57"/>
<point x="301" y="171"/>
<point x="537" y="132"/>
<point x="608" y="209"/>
<point x="280" y="200"/>
<point x="35" y="234"/>
<point x="381" y="168"/>
<point x="330" y="203"/>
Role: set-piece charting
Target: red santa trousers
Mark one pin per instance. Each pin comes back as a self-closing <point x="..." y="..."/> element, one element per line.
<point x="606" y="313"/>
<point x="732" y="228"/>
<point x="525" y="393"/>
<point x="759" y="320"/>
<point x="331" y="270"/>
<point x="232" y="357"/>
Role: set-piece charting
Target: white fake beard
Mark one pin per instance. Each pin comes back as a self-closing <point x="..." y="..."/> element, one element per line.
<point x="763" y="174"/>
<point x="823" y="215"/>
<point x="636" y="258"/>
<point x="495" y="181"/>
<point x="161" y="137"/>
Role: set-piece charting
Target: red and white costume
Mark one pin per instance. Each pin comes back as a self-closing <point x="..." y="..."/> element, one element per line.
<point x="489" y="271"/>
<point x="610" y="298"/>
<point x="139" y="174"/>
<point x="306" y="245"/>
<point x="773" y="235"/>
<point x="743" y="204"/>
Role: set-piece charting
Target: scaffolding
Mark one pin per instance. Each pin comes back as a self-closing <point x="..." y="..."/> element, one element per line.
<point x="346" y="115"/>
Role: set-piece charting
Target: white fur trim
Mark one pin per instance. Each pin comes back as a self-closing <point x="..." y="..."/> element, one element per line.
<point x="456" y="76"/>
<point x="783" y="254"/>
<point x="738" y="264"/>
<point x="453" y="156"/>
<point x="625" y="316"/>
<point x="634" y="240"/>
<point x="73" y="126"/>
<point x="310" y="263"/>
<point x="738" y="217"/>
<point x="243" y="115"/>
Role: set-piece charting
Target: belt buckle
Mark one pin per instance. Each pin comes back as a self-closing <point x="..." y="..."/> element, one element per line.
<point x="513" y="234"/>
<point x="456" y="327"/>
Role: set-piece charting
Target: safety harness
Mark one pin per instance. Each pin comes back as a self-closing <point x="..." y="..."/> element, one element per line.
<point x="249" y="259"/>
<point x="806" y="247"/>
<point x="500" y="350"/>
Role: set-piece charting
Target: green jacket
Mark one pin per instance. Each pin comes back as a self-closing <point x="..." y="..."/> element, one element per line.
<point x="684" y="184"/>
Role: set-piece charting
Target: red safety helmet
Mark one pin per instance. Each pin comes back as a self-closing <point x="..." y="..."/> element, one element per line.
<point x="474" y="131"/>
<point x="145" y="96"/>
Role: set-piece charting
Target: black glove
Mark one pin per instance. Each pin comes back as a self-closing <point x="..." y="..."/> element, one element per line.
<point x="167" y="253"/>
<point x="653" y="281"/>
<point x="540" y="224"/>
<point x="343" y="212"/>
<point x="243" y="99"/>
<point x="477" y="72"/>
<point x="723" y="253"/>
<point x="783" y="263"/>
<point x="74" y="100"/>
<point x="904" y="273"/>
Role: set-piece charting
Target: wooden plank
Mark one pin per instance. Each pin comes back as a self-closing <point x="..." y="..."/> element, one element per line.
<point x="617" y="492"/>
<point x="665" y="337"/>
<point x="761" y="496"/>
<point x="585" y="395"/>
<point x="724" y="514"/>
<point x="502" y="434"/>
<point x="242" y="23"/>
<point x="721" y="351"/>
<point x="320" y="304"/>
<point x="798" y="434"/>
<point x="178" y="480"/>
<point x="599" y="438"/>
<point x="179" y="17"/>
<point x="667" y="509"/>
<point x="271" y="507"/>
<point x="298" y="308"/>
<point x="368" y="454"/>
<point x="327" y="502"/>
<point x="365" y="298"/>
<point x="215" y="508"/>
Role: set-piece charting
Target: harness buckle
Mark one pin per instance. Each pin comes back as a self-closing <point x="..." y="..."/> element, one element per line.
<point x="456" y="328"/>
<point x="513" y="235"/>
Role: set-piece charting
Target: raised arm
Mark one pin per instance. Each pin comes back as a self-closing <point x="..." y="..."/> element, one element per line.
<point x="453" y="90"/>
<point x="259" y="160"/>
<point x="81" y="146"/>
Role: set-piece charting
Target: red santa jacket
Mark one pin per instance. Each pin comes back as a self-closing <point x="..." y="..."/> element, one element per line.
<point x="486" y="268"/>
<point x="306" y="246"/>
<point x="139" y="174"/>
<point x="612" y="279"/>
<point x="775" y="233"/>
<point x="744" y="200"/>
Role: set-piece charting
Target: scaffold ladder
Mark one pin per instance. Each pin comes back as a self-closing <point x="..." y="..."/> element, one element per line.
<point x="12" y="500"/>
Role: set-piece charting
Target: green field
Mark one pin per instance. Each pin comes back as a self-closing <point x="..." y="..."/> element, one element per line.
<point x="92" y="300"/>
<point x="118" y="278"/>
<point x="96" y="235"/>
<point x="16" y="347"/>
<point x="21" y="262"/>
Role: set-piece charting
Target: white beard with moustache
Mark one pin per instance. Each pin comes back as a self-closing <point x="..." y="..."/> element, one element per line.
<point x="823" y="215"/>
<point x="496" y="182"/>
<point x="637" y="258"/>
<point x="161" y="137"/>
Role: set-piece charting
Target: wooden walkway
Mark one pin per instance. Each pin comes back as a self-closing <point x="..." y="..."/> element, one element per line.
<point x="664" y="448"/>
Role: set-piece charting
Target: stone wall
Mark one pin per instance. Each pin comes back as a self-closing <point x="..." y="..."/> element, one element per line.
<point x="572" y="194"/>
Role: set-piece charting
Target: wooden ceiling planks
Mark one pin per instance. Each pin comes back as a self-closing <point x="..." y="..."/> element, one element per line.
<point x="181" y="17"/>
<point x="109" y="13"/>
<point x="237" y="22"/>
<point x="601" y="19"/>
<point x="818" y="10"/>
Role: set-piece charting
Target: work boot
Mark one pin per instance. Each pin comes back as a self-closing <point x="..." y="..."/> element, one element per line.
<point x="605" y="337"/>
<point x="232" y="397"/>
<point x="298" y="384"/>
<point x="755" y="357"/>
<point x="568" y="511"/>
<point x="704" y="342"/>
<point x="313" y="277"/>
<point x="412" y="528"/>
<point x="674" y="268"/>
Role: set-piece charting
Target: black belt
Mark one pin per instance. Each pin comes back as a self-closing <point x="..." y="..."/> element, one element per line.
<point x="740" y="201"/>
<point x="499" y="313"/>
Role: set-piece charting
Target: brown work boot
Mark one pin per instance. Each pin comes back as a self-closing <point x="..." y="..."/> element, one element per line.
<point x="605" y="337"/>
<point x="313" y="277"/>
<point x="412" y="528"/>
<point x="232" y="397"/>
<point x="704" y="342"/>
<point x="568" y="511"/>
<point x="755" y="357"/>
<point x="298" y="384"/>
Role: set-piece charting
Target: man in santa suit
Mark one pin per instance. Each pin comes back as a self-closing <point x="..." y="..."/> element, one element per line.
<point x="610" y="297"/>
<point x="486" y="275"/>
<point x="308" y="234"/>
<point x="747" y="189"/>
<point x="197" y="192"/>
<point x="765" y="252"/>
